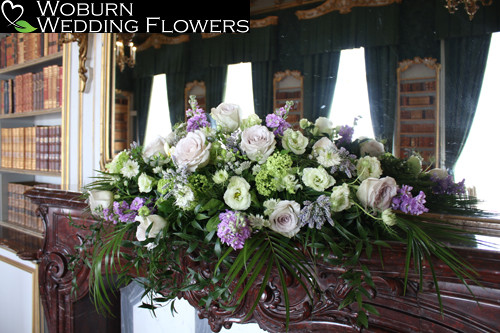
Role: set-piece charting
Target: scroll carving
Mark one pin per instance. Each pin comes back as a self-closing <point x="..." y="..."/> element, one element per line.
<point x="342" y="6"/>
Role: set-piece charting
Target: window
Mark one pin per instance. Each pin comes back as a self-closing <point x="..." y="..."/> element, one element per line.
<point x="350" y="99"/>
<point x="239" y="89"/>
<point x="159" y="115"/>
<point x="480" y="158"/>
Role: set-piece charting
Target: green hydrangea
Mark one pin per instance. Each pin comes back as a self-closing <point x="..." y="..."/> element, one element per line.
<point x="164" y="186"/>
<point x="117" y="163"/>
<point x="272" y="172"/>
<point x="200" y="183"/>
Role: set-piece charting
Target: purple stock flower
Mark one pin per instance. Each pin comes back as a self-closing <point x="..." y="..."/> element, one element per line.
<point x="408" y="204"/>
<point x="122" y="209"/>
<point x="137" y="203"/>
<point x="447" y="185"/>
<point x="346" y="132"/>
<point x="233" y="229"/>
<point x="197" y="121"/>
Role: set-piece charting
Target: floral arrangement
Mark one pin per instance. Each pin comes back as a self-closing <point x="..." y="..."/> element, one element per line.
<point x="255" y="196"/>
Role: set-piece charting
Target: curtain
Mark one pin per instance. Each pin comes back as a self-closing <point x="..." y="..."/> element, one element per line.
<point x="465" y="63"/>
<point x="142" y="93"/>
<point x="175" y="93"/>
<point x="262" y="82"/>
<point x="381" y="64"/>
<point x="215" y="83"/>
<point x="320" y="77"/>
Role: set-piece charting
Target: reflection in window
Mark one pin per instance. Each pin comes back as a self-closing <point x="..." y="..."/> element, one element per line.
<point x="480" y="159"/>
<point x="159" y="116"/>
<point x="239" y="88"/>
<point x="350" y="99"/>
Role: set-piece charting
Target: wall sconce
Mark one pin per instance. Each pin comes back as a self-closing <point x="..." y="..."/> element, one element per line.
<point x="121" y="58"/>
<point x="471" y="6"/>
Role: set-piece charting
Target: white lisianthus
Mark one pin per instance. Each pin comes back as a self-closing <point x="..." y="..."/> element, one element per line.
<point x="192" y="151"/>
<point x="368" y="167"/>
<point x="184" y="197"/>
<point x="304" y="123"/>
<point x="326" y="153"/>
<point x="388" y="217"/>
<point x="340" y="198"/>
<point x="157" y="221"/>
<point x="284" y="218"/>
<point x="220" y="176"/>
<point x="145" y="183"/>
<point x="155" y="147"/>
<point x="237" y="195"/>
<point x="99" y="200"/>
<point x="270" y="204"/>
<point x="289" y="183"/>
<point x="371" y="147"/>
<point x="294" y="141"/>
<point x="227" y="116"/>
<point x="258" y="143"/>
<point x="323" y="125"/>
<point x="317" y="178"/>
<point x="130" y="169"/>
<point x="258" y="221"/>
<point x="377" y="193"/>
<point x="250" y="121"/>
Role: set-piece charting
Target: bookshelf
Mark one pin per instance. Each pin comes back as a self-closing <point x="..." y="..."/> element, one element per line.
<point x="30" y="124"/>
<point x="289" y="86"/>
<point x="418" y="117"/>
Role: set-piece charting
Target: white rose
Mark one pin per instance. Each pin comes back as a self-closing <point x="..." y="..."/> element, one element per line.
<point x="371" y="148"/>
<point x="192" y="151"/>
<point x="284" y="219"/>
<point x="339" y="199"/>
<point x="99" y="200"/>
<point x="368" y="167"/>
<point x="237" y="195"/>
<point x="323" y="125"/>
<point x="377" y="193"/>
<point x="294" y="141"/>
<point x="227" y="116"/>
<point x="438" y="173"/>
<point x="317" y="178"/>
<point x="157" y="221"/>
<point x="145" y="183"/>
<point x="258" y="143"/>
<point x="155" y="147"/>
<point x="326" y="152"/>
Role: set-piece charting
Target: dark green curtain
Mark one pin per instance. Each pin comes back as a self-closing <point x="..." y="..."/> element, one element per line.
<point x="215" y="83"/>
<point x="320" y="77"/>
<point x="381" y="63"/>
<point x="465" y="63"/>
<point x="262" y="82"/>
<point x="142" y="93"/>
<point x="175" y="88"/>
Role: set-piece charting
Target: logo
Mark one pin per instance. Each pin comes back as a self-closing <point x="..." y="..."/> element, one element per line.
<point x="13" y="13"/>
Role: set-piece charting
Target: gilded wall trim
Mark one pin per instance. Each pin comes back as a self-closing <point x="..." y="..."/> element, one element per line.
<point x="260" y="23"/>
<point x="157" y="40"/>
<point x="343" y="6"/>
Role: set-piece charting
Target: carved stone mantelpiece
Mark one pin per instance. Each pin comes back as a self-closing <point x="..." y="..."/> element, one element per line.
<point x="413" y="310"/>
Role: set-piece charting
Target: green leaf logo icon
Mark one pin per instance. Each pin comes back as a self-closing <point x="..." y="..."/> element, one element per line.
<point x="23" y="26"/>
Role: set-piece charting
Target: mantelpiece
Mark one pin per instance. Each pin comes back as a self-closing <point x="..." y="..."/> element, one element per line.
<point x="399" y="312"/>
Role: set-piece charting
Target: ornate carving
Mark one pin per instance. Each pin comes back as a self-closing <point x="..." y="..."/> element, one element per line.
<point x="82" y="40"/>
<point x="429" y="62"/>
<point x="343" y="6"/>
<point x="157" y="40"/>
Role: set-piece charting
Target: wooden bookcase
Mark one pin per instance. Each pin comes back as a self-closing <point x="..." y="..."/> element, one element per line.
<point x="418" y="116"/>
<point x="30" y="123"/>
<point x="289" y="86"/>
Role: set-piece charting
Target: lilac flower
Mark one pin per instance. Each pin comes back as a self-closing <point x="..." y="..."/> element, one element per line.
<point x="316" y="213"/>
<point x="346" y="163"/>
<point x="197" y="121"/>
<point x="273" y="120"/>
<point x="122" y="209"/>
<point x="137" y="203"/>
<point x="233" y="229"/>
<point x="405" y="202"/>
<point x="346" y="132"/>
<point x="447" y="185"/>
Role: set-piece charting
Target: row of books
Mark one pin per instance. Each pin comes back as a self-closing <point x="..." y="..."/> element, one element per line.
<point x="21" y="211"/>
<point x="32" y="91"/>
<point x="18" y="48"/>
<point x="418" y="141"/>
<point x="417" y="100"/>
<point x="417" y="114"/>
<point x="418" y="128"/>
<point x="32" y="148"/>
<point x="288" y="94"/>
<point x="418" y="86"/>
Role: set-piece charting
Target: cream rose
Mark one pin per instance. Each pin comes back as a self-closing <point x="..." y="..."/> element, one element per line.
<point x="284" y="219"/>
<point x="368" y="167"/>
<point x="258" y="143"/>
<point x="99" y="200"/>
<point x="323" y="125"/>
<point x="371" y="148"/>
<point x="157" y="222"/>
<point x="155" y="147"/>
<point x="377" y="193"/>
<point x="237" y="195"/>
<point x="317" y="178"/>
<point x="145" y="183"/>
<point x="227" y="115"/>
<point x="192" y="151"/>
<point x="294" y="141"/>
<point x="340" y="198"/>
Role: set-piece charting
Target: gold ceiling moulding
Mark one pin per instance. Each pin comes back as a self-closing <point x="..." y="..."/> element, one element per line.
<point x="342" y="6"/>
<point x="260" y="23"/>
<point x="82" y="40"/>
<point x="429" y="62"/>
<point x="157" y="40"/>
<point x="470" y="6"/>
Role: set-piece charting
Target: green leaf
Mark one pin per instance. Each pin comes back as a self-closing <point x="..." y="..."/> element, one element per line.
<point x="213" y="223"/>
<point x="23" y="26"/>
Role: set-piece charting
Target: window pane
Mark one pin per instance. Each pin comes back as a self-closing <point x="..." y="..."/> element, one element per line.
<point x="239" y="88"/>
<point x="350" y="99"/>
<point x="479" y="157"/>
<point x="159" y="115"/>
